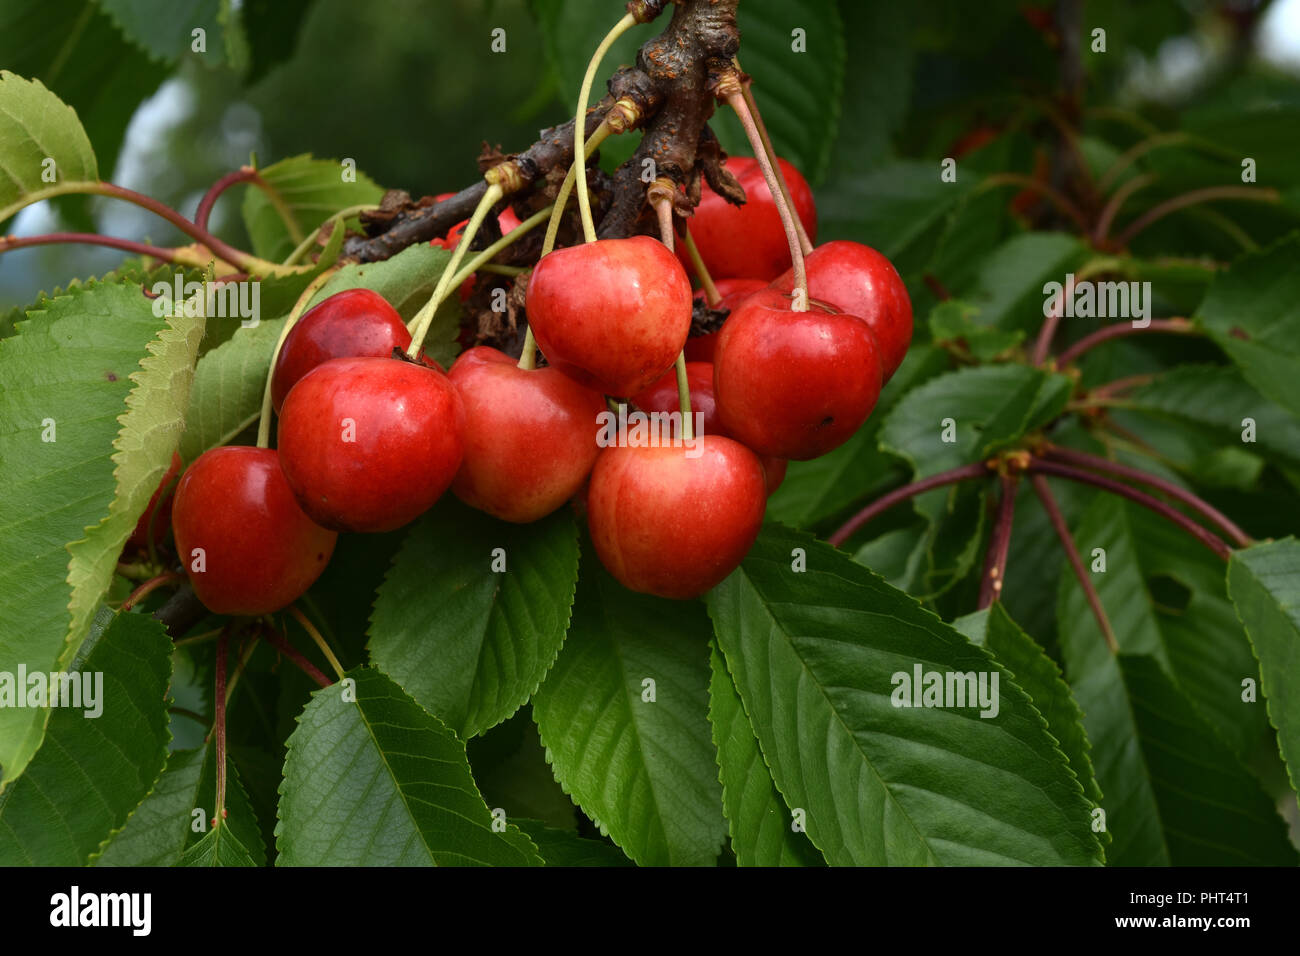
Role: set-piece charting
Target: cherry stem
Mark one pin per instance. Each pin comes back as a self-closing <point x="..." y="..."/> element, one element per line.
<point x="1119" y="330"/>
<point x="304" y="246"/>
<point x="885" y="502"/>
<point x="1203" y="535"/>
<point x="424" y="319"/>
<point x="598" y="136"/>
<point x="1055" y="197"/>
<point x="246" y="649"/>
<point x="1102" y="230"/>
<point x="747" y="91"/>
<point x="995" y="561"/>
<point x="1043" y="345"/>
<point x="684" y="398"/>
<point x="711" y="294"/>
<point x="1158" y="212"/>
<point x="736" y="101"/>
<point x="264" y="423"/>
<point x="315" y="635"/>
<point x="184" y="257"/>
<point x="1136" y="151"/>
<point x="1204" y="508"/>
<point x="1122" y="385"/>
<point x="198" y="638"/>
<point x="219" y="727"/>
<point x="1048" y="501"/>
<point x="153" y="584"/>
<point x="247" y="174"/>
<point x="584" y="95"/>
<point x="295" y="656"/>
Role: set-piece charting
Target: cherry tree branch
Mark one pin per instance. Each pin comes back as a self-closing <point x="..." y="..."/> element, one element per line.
<point x="995" y="560"/>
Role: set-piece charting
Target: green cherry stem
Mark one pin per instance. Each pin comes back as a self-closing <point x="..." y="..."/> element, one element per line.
<point x="305" y="246"/>
<point x="219" y="726"/>
<point x="264" y="424"/>
<point x="315" y="635"/>
<point x="747" y="90"/>
<point x="730" y="89"/>
<point x="491" y="196"/>
<point x="598" y="136"/>
<point x="711" y="294"/>
<point x="584" y="201"/>
<point x="684" y="397"/>
<point x="660" y="196"/>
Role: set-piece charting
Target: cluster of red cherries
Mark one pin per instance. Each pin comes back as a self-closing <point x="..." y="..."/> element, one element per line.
<point x="369" y="439"/>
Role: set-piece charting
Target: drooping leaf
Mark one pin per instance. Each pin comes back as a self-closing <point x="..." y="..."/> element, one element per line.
<point x="371" y="779"/>
<point x="763" y="831"/>
<point x="1264" y="582"/>
<point x="1041" y="679"/>
<point x="473" y="612"/>
<point x="565" y="848"/>
<point x="41" y="136"/>
<point x="1253" y="312"/>
<point x="820" y="657"/>
<point x="63" y="384"/>
<point x="309" y="191"/>
<point x="92" y="771"/>
<point x="623" y="716"/>
<point x="151" y="426"/>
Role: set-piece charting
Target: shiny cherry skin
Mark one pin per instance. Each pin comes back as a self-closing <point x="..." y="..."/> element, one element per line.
<point x="699" y="348"/>
<point x="749" y="240"/>
<point x="139" y="539"/>
<point x="369" y="444"/>
<point x="612" y="314"/>
<point x="247" y="546"/>
<point x="674" y="526"/>
<point x="530" y="435"/>
<point x="860" y="281"/>
<point x="347" y="324"/>
<point x="794" y="384"/>
<point x="662" y="396"/>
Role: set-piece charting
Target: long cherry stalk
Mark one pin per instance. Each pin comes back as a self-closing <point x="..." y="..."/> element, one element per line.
<point x="182" y="257"/>
<point x="660" y="196"/>
<point x="711" y="294"/>
<point x="628" y="21"/>
<point x="300" y="306"/>
<point x="747" y="90"/>
<point x="885" y="502"/>
<point x="278" y="641"/>
<point x="995" y="561"/>
<point x="1120" y="329"/>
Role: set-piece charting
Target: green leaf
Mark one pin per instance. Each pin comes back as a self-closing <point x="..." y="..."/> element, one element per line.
<point x="1264" y="582"/>
<point x="1008" y="290"/>
<point x="226" y="396"/>
<point x="310" y="190"/>
<point x="468" y="641"/>
<point x="1253" y="312"/>
<point x="272" y="27"/>
<point x="819" y="656"/>
<point x="90" y="65"/>
<point x="564" y="848"/>
<point x="161" y="829"/>
<point x="377" y="781"/>
<point x="163" y="32"/>
<point x="798" y="80"/>
<point x="151" y="427"/>
<point x="220" y="847"/>
<point x="407" y="281"/>
<point x="953" y="322"/>
<point x="36" y="127"/>
<point x="761" y="825"/>
<point x="814" y="491"/>
<point x="63" y="377"/>
<point x="1038" y="675"/>
<point x="93" y="771"/>
<point x="636" y="755"/>
<point x="991" y="407"/>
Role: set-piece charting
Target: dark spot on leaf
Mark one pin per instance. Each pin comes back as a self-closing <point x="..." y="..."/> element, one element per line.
<point x="1237" y="332"/>
<point x="111" y="376"/>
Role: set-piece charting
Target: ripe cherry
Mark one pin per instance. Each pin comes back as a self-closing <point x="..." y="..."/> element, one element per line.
<point x="612" y="314"/>
<point x="860" y="281"/>
<point x="530" y="436"/>
<point x="749" y="240"/>
<point x="671" y="525"/>
<point x="246" y="544"/>
<point x="139" y="539"/>
<point x="349" y="323"/>
<point x="794" y="384"/>
<point x="369" y="444"/>
<point x="662" y="396"/>
<point x="699" y="348"/>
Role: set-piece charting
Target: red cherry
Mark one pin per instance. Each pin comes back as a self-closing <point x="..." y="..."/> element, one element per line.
<point x="749" y="240"/>
<point x="860" y="281"/>
<point x="369" y="444"/>
<point x="794" y="384"/>
<point x="699" y="348"/>
<point x="507" y="221"/>
<point x="667" y="524"/>
<point x="612" y="314"/>
<point x="349" y="323"/>
<point x="662" y="396"/>
<point x="246" y="544"/>
<point x="530" y="436"/>
<point x="139" y="539"/>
